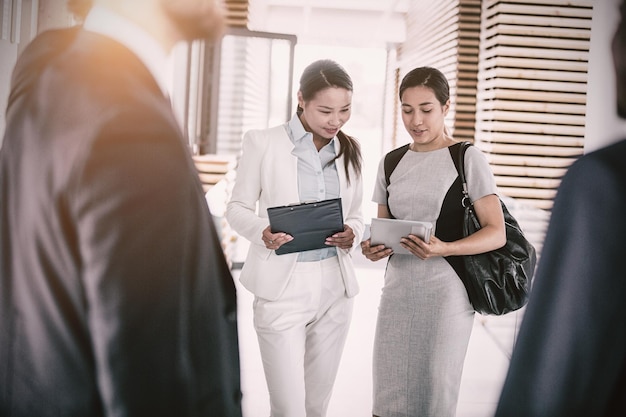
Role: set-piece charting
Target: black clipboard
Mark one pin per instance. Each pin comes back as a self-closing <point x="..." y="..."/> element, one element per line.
<point x="309" y="223"/>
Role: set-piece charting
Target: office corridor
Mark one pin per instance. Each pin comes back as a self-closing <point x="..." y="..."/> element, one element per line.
<point x="486" y="363"/>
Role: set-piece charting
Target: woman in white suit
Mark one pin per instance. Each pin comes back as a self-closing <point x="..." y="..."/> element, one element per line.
<point x="303" y="301"/>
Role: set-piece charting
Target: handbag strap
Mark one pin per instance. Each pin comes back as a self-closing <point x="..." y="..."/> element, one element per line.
<point x="392" y="159"/>
<point x="460" y="167"/>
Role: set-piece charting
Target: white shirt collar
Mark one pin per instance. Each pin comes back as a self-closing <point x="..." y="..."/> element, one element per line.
<point x="297" y="132"/>
<point x="296" y="129"/>
<point x="105" y="22"/>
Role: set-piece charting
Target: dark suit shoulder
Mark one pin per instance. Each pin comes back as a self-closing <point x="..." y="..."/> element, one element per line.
<point x="600" y="169"/>
<point x="44" y="49"/>
<point x="611" y="156"/>
<point x="74" y="68"/>
<point x="105" y="68"/>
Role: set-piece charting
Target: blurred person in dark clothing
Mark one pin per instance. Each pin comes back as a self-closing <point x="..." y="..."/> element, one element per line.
<point x="115" y="297"/>
<point x="570" y="357"/>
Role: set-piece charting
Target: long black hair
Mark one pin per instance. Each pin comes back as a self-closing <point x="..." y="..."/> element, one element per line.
<point x="319" y="76"/>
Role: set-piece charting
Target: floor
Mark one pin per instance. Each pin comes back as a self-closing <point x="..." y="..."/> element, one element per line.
<point x="485" y="367"/>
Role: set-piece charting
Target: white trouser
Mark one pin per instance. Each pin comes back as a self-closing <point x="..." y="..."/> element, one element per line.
<point x="301" y="338"/>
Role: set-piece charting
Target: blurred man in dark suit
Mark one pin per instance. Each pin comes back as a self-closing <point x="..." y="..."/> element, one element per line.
<point x="115" y="298"/>
<point x="570" y="357"/>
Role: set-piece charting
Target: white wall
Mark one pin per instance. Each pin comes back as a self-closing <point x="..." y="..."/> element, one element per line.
<point x="603" y="126"/>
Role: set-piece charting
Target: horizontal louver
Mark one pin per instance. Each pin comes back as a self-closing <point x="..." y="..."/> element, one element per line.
<point x="532" y="93"/>
<point x="236" y="13"/>
<point x="446" y="35"/>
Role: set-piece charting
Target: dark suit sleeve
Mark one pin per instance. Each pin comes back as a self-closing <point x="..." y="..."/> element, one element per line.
<point x="570" y="350"/>
<point x="161" y="301"/>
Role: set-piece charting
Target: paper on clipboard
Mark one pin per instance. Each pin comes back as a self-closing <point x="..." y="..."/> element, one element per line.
<point x="388" y="232"/>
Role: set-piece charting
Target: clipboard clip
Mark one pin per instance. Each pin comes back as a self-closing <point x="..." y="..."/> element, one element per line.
<point x="302" y="203"/>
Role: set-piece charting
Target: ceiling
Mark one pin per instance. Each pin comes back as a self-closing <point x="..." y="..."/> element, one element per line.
<point x="335" y="22"/>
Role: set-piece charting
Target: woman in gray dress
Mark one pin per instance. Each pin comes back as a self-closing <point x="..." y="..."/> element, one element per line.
<point x="425" y="317"/>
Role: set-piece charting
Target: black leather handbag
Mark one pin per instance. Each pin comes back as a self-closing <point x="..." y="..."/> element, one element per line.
<point x="499" y="281"/>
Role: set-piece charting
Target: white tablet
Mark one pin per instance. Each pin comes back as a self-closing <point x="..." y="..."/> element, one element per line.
<point x="388" y="232"/>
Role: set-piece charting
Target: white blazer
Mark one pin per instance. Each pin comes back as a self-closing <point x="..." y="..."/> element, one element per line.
<point x="267" y="174"/>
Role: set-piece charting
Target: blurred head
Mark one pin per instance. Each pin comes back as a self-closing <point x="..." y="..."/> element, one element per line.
<point x="324" y="98"/>
<point x="425" y="100"/>
<point x="619" y="61"/>
<point x="196" y="19"/>
<point x="186" y="19"/>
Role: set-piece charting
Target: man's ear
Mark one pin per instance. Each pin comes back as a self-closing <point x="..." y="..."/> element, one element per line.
<point x="79" y="8"/>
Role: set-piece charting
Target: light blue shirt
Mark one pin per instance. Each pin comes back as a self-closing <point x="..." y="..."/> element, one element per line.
<point x="317" y="179"/>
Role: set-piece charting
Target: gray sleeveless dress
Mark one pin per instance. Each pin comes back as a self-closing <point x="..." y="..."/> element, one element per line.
<point x="425" y="318"/>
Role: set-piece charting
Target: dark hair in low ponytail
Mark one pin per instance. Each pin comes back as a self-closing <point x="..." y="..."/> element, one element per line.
<point x="427" y="77"/>
<point x="318" y="76"/>
<point x="352" y="150"/>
